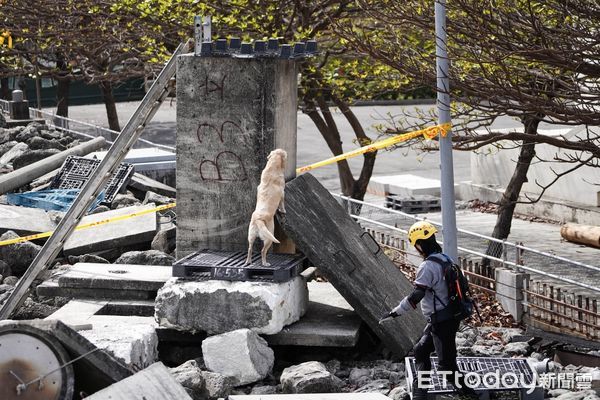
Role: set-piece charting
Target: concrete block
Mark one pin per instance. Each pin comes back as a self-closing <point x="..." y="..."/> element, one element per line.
<point x="309" y="377"/>
<point x="231" y="113"/>
<point x="115" y="276"/>
<point x="510" y="278"/>
<point x="329" y="321"/>
<point x="241" y="354"/>
<point x="24" y="220"/>
<point x="129" y="339"/>
<point x="153" y="383"/>
<point x="509" y="291"/>
<point x="404" y="185"/>
<point x="222" y="306"/>
<point x="136" y="230"/>
<point x="512" y="306"/>
<point x="144" y="183"/>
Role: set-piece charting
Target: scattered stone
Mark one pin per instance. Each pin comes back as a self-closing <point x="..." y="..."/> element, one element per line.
<point x="217" y="385"/>
<point x="4" y="147"/>
<point x="189" y="375"/>
<point x="165" y="240"/>
<point x="517" y="349"/>
<point x="157" y="199"/>
<point x="87" y="258"/>
<point x="39" y="143"/>
<point x="309" y="377"/>
<point x="359" y="376"/>
<point x="124" y="200"/>
<point x="221" y="306"/>
<point x="399" y="393"/>
<point x="11" y="280"/>
<point x="378" y="386"/>
<point x="396" y="377"/>
<point x="99" y="209"/>
<point x="50" y="135"/>
<point x="241" y="354"/>
<point x="31" y="156"/>
<point x="5" y="288"/>
<point x="18" y="256"/>
<point x="14" y="152"/>
<point x="333" y="366"/>
<point x="261" y="390"/>
<point x="4" y="269"/>
<point x="148" y="257"/>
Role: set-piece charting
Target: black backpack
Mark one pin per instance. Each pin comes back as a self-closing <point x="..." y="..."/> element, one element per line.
<point x="460" y="304"/>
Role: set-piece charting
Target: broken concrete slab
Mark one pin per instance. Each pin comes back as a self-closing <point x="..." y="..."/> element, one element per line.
<point x="50" y="288"/>
<point x="240" y="354"/>
<point x="351" y="260"/>
<point x="317" y="396"/>
<point x="329" y="321"/>
<point x="115" y="276"/>
<point x="131" y="231"/>
<point x="153" y="383"/>
<point x="404" y="185"/>
<point x="24" y="220"/>
<point x="309" y="377"/>
<point x="143" y="183"/>
<point x="130" y="339"/>
<point x="221" y="306"/>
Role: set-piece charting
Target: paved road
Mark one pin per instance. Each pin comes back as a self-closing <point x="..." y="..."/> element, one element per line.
<point x="311" y="146"/>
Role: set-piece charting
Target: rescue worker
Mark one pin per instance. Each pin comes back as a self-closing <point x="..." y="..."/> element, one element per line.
<point x="432" y="292"/>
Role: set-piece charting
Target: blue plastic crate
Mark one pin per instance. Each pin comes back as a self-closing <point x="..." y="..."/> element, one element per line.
<point x="52" y="199"/>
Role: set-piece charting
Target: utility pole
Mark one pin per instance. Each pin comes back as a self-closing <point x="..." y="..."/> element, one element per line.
<point x="443" y="106"/>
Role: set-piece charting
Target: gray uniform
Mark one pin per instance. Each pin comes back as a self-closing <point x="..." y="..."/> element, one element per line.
<point x="430" y="276"/>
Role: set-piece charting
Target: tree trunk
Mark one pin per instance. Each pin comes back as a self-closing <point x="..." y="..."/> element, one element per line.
<point x="510" y="197"/>
<point x="111" y="107"/>
<point x="4" y="90"/>
<point x="62" y="97"/>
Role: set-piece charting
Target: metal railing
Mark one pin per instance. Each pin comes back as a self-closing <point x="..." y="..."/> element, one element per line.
<point x="82" y="129"/>
<point x="474" y="245"/>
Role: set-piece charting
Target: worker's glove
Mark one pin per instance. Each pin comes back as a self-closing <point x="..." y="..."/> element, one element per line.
<point x="403" y="307"/>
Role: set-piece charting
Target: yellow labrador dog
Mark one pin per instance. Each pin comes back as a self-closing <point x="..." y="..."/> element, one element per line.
<point x="269" y="199"/>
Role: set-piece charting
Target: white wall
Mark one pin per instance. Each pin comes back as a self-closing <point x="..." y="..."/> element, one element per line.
<point x="492" y="166"/>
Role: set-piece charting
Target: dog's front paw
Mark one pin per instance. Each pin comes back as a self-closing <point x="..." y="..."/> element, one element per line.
<point x="266" y="264"/>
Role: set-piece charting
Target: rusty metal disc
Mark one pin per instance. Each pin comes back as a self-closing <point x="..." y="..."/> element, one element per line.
<point x="26" y="354"/>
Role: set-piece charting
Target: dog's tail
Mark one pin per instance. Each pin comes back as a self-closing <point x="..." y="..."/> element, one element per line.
<point x="264" y="232"/>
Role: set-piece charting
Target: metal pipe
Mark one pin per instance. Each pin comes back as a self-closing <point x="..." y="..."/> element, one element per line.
<point x="443" y="106"/>
<point x="16" y="179"/>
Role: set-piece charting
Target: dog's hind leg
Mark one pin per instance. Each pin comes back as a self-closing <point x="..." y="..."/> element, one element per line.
<point x="252" y="233"/>
<point x="266" y="246"/>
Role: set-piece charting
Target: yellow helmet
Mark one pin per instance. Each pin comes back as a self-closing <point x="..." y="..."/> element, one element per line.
<point x="420" y="230"/>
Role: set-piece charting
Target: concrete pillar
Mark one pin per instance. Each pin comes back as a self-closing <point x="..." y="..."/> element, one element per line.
<point x="231" y="112"/>
<point x="509" y="291"/>
<point x="17" y="107"/>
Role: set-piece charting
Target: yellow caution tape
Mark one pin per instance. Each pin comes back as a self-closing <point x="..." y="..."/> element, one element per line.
<point x="90" y="225"/>
<point x="428" y="133"/>
<point x="6" y="35"/>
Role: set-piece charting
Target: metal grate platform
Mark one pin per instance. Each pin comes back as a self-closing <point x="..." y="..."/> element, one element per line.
<point x="414" y="204"/>
<point x="75" y="171"/>
<point x="481" y="366"/>
<point x="229" y="266"/>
